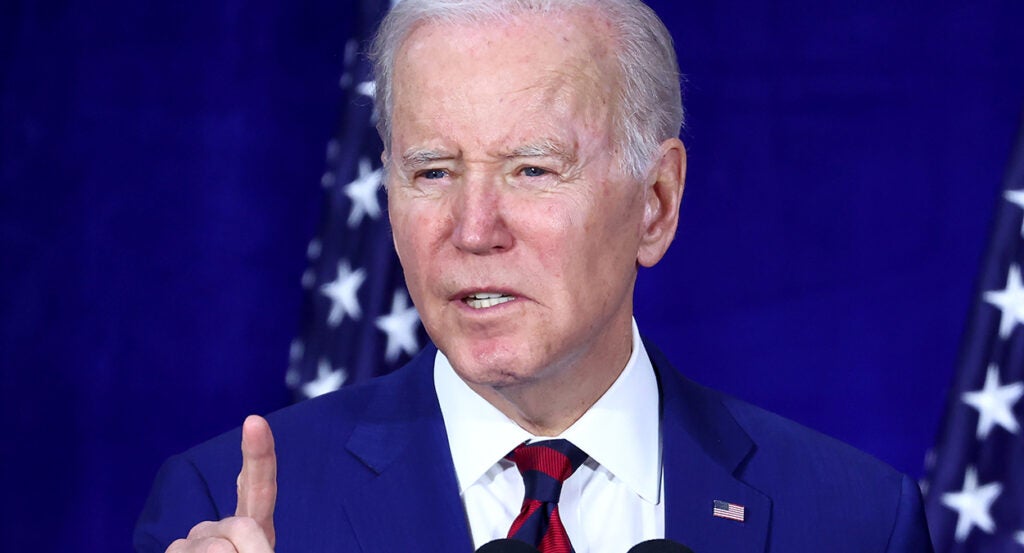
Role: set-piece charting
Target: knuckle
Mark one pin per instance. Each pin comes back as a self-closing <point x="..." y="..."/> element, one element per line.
<point x="199" y="529"/>
<point x="241" y="525"/>
<point x="202" y="545"/>
<point x="218" y="545"/>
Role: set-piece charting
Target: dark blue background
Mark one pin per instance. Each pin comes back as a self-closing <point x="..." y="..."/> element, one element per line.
<point x="159" y="182"/>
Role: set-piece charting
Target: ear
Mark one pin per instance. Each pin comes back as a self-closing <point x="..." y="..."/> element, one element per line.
<point x="662" y="196"/>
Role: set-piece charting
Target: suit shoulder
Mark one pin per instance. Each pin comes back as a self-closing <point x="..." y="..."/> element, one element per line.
<point x="304" y="425"/>
<point x="783" y="440"/>
<point x="803" y="471"/>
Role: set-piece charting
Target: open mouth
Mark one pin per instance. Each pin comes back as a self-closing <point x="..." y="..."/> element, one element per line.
<point x="483" y="300"/>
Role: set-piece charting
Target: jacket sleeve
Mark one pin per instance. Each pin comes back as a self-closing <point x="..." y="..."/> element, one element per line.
<point x="179" y="500"/>
<point x="910" y="530"/>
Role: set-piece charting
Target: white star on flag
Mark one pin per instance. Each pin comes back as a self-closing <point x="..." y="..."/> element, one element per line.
<point x="973" y="504"/>
<point x="363" y="193"/>
<point x="1010" y="301"/>
<point x="368" y="89"/>
<point x="1016" y="197"/>
<point x="342" y="292"/>
<point x="314" y="249"/>
<point x="327" y="380"/>
<point x="400" y="326"/>
<point x="292" y="378"/>
<point x="1019" y="536"/>
<point x="995" y="403"/>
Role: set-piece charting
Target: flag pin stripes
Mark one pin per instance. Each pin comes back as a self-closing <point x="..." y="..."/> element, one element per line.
<point x="731" y="511"/>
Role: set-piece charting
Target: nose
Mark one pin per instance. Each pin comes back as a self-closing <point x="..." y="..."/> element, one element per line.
<point x="480" y="226"/>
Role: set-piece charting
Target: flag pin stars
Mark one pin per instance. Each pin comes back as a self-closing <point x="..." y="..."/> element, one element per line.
<point x="731" y="511"/>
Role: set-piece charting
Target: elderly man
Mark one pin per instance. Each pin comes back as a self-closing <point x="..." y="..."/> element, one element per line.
<point x="532" y="166"/>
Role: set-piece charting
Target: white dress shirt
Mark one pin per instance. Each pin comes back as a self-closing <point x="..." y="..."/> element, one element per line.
<point x="611" y="503"/>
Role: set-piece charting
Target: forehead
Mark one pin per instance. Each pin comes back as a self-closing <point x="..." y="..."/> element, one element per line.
<point x="542" y="69"/>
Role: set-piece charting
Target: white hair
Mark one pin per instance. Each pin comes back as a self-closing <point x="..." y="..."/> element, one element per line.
<point x="649" y="107"/>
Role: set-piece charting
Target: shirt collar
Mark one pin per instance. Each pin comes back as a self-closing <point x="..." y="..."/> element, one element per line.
<point x="620" y="431"/>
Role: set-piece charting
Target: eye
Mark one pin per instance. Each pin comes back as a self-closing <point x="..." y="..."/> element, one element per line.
<point x="433" y="174"/>
<point x="534" y="172"/>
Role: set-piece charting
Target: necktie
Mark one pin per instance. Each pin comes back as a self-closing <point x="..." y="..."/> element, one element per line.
<point x="545" y="466"/>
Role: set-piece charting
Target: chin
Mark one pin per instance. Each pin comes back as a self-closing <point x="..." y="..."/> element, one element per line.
<point x="496" y="380"/>
<point x="492" y="367"/>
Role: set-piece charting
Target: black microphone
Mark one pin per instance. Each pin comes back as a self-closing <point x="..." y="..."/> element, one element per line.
<point x="659" y="546"/>
<point x="506" y="545"/>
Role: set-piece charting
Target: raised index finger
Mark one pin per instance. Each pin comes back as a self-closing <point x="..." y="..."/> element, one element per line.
<point x="257" y="482"/>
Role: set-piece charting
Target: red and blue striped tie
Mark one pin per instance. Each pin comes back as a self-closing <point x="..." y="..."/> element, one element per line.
<point x="545" y="466"/>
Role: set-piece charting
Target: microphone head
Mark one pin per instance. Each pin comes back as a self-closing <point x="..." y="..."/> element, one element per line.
<point x="659" y="546"/>
<point x="507" y="545"/>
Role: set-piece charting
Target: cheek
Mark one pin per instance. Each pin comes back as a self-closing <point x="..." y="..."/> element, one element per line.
<point x="553" y="231"/>
<point x="411" y="233"/>
<point x="557" y="235"/>
<point x="610" y="237"/>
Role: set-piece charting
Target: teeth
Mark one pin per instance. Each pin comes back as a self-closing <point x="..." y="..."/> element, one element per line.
<point x="485" y="295"/>
<point x="483" y="300"/>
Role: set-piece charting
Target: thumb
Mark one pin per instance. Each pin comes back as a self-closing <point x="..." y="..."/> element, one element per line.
<point x="257" y="482"/>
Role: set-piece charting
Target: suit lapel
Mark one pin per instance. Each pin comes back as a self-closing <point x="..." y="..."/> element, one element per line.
<point x="411" y="503"/>
<point x="704" y="450"/>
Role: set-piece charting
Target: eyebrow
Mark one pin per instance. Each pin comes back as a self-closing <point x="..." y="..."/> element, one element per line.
<point x="416" y="158"/>
<point x="544" y="148"/>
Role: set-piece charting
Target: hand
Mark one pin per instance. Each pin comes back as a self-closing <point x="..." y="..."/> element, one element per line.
<point x="251" y="530"/>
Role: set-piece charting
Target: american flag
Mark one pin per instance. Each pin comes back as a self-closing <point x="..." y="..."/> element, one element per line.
<point x="358" y="321"/>
<point x="724" y="509"/>
<point x="975" y="486"/>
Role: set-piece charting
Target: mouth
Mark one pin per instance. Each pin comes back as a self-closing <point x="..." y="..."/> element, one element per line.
<point x="484" y="300"/>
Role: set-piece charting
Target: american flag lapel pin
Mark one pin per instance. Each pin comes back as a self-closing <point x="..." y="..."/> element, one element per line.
<point x="731" y="511"/>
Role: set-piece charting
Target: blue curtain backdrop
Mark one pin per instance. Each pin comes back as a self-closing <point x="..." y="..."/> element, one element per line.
<point x="160" y="180"/>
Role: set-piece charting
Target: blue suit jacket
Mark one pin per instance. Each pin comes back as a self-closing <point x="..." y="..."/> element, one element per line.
<point x="368" y="469"/>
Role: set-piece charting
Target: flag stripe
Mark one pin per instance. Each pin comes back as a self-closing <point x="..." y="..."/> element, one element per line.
<point x="724" y="509"/>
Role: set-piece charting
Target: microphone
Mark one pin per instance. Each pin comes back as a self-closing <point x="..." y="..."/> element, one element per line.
<point x="506" y="545"/>
<point x="659" y="546"/>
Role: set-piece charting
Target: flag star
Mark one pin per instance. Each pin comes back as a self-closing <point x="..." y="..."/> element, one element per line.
<point x="327" y="179"/>
<point x="327" y="380"/>
<point x="995" y="403"/>
<point x="292" y="378"/>
<point x="1010" y="301"/>
<point x="295" y="351"/>
<point x="924" y="485"/>
<point x="367" y="88"/>
<point x="308" y="278"/>
<point x="400" y="326"/>
<point x="342" y="293"/>
<point x="363" y="193"/>
<point x="314" y="249"/>
<point x="1016" y="197"/>
<point x="973" y="504"/>
<point x="1019" y="537"/>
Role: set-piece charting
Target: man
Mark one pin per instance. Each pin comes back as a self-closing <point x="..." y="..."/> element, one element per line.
<point x="532" y="166"/>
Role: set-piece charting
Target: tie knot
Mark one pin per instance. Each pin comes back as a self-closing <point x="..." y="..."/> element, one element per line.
<point x="546" y="465"/>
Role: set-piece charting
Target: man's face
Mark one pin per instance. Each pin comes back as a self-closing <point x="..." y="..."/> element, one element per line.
<point x="516" y="228"/>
